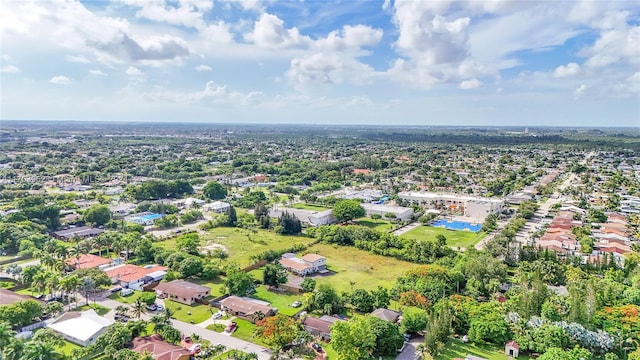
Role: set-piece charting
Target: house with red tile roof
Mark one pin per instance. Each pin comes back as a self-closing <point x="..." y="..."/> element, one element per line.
<point x="88" y="261"/>
<point x="159" y="349"/>
<point x="132" y="276"/>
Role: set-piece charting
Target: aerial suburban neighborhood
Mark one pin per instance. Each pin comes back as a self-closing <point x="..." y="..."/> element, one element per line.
<point x="274" y="247"/>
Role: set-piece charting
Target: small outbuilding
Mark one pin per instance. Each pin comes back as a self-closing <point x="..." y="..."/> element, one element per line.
<point x="512" y="349"/>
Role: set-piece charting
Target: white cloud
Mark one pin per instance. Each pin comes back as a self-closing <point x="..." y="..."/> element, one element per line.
<point x="570" y="69"/>
<point x="617" y="44"/>
<point x="580" y="91"/>
<point x="97" y="73"/>
<point x="201" y="68"/>
<point x="350" y="37"/>
<point x="81" y="59"/>
<point x="10" y="69"/>
<point x="186" y="13"/>
<point x="328" y="68"/>
<point x="60" y="80"/>
<point x="470" y="84"/>
<point x="269" y="32"/>
<point x="133" y="71"/>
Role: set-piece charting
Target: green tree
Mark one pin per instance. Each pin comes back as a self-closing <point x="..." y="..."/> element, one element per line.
<point x="97" y="215"/>
<point x="559" y="354"/>
<point x="213" y="190"/>
<point x="278" y="331"/>
<point x="414" y="319"/>
<point x="138" y="308"/>
<point x="189" y="243"/>
<point x="148" y="298"/>
<point x="353" y="340"/>
<point x="288" y="224"/>
<point x="347" y="210"/>
<point x="308" y="284"/>
<point x="274" y="275"/>
<point x="362" y="300"/>
<point x="238" y="282"/>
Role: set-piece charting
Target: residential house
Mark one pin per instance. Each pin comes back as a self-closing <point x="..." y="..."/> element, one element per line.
<point x="293" y="284"/>
<point x="219" y="207"/>
<point x="247" y="308"/>
<point x="88" y="261"/>
<point x="477" y="208"/>
<point x="182" y="291"/>
<point x="122" y="209"/>
<point x="132" y="276"/>
<point x="80" y="328"/>
<point x="82" y="232"/>
<point x="159" y="349"/>
<point x="386" y="315"/>
<point x="318" y="327"/>
<point x="308" y="264"/>
<point x="189" y="203"/>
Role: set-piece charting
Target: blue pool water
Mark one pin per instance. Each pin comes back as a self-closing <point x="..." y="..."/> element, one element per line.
<point x="150" y="216"/>
<point x="457" y="225"/>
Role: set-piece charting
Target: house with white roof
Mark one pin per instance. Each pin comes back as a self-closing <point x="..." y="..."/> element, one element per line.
<point x="219" y="207"/>
<point x="80" y="328"/>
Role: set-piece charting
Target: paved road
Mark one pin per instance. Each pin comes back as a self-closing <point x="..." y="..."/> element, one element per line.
<point x="407" y="228"/>
<point x="410" y="351"/>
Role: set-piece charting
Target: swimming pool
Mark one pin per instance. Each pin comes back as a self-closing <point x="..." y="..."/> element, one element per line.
<point x="150" y="217"/>
<point x="457" y="225"/>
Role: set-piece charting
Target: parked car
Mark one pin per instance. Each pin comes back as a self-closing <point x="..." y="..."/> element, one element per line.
<point x="152" y="307"/>
<point x="159" y="307"/>
<point x="296" y="304"/>
<point x="115" y="289"/>
<point x="317" y="347"/>
<point x="126" y="292"/>
<point x="217" y="315"/>
<point x="231" y="327"/>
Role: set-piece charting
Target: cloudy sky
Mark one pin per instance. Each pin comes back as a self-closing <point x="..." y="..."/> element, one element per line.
<point x="474" y="62"/>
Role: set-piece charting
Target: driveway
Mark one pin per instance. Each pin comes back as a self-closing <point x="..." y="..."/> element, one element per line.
<point x="409" y="352"/>
<point x="405" y="229"/>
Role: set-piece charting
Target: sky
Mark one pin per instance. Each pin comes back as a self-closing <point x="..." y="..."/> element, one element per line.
<point x="445" y="62"/>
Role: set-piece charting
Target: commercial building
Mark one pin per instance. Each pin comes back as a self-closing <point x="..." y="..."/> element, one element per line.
<point x="396" y="212"/>
<point x="477" y="208"/>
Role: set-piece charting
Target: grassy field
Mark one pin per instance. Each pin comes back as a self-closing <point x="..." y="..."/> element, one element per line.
<point x="241" y="244"/>
<point x="457" y="349"/>
<point x="245" y="331"/>
<point x="199" y="312"/>
<point x="380" y="225"/>
<point x="126" y="299"/>
<point x="305" y="206"/>
<point x="455" y="238"/>
<point x="101" y="310"/>
<point x="67" y="348"/>
<point x="280" y="301"/>
<point x="365" y="269"/>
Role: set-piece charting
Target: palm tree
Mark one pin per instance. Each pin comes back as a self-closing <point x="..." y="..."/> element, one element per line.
<point x="137" y="327"/>
<point x="53" y="282"/>
<point x="40" y="281"/>
<point x="167" y="314"/>
<point x="121" y="310"/>
<point x="77" y="250"/>
<point x="37" y="350"/>
<point x="157" y="321"/>
<point x="138" y="308"/>
<point x="28" y="273"/>
<point x="70" y="284"/>
<point x="13" y="351"/>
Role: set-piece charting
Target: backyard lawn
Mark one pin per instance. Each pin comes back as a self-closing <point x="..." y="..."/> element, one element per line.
<point x="199" y="312"/>
<point x="216" y="285"/>
<point x="380" y="225"/>
<point x="281" y="301"/>
<point x="305" y="206"/>
<point x="245" y="331"/>
<point x="366" y="270"/>
<point x="67" y="348"/>
<point x="455" y="238"/>
<point x="99" y="309"/>
<point x="457" y="349"/>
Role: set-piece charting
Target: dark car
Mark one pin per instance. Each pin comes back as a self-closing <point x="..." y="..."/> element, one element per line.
<point x="316" y="347"/>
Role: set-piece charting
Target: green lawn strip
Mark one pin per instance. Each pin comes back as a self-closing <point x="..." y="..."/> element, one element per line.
<point x="245" y="330"/>
<point x="457" y="349"/>
<point x="365" y="269"/>
<point x="27" y="291"/>
<point x="216" y="327"/>
<point x="216" y="285"/>
<point x="455" y="238"/>
<point x="67" y="348"/>
<point x="199" y="312"/>
<point x="126" y="299"/>
<point x="305" y="206"/>
<point x="331" y="354"/>
<point x="380" y="225"/>
<point x="280" y="301"/>
<point x="99" y="309"/>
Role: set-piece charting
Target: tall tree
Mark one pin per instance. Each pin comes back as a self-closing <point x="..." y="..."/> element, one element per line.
<point x="213" y="190"/>
<point x="347" y="210"/>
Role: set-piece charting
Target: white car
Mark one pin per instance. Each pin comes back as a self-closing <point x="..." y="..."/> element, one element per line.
<point x="217" y="315"/>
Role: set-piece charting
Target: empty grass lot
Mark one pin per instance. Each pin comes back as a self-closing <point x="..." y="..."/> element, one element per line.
<point x="380" y="225"/>
<point x="456" y="349"/>
<point x="365" y="269"/>
<point x="281" y="301"/>
<point x="305" y="206"/>
<point x="455" y="238"/>
<point x="241" y="244"/>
